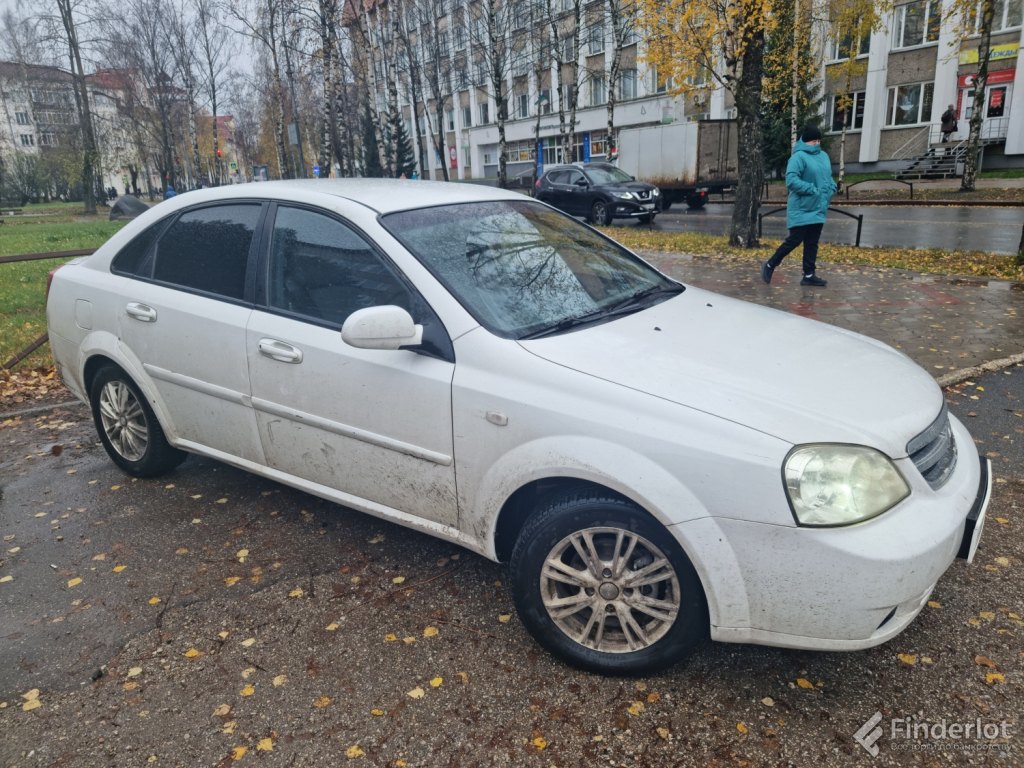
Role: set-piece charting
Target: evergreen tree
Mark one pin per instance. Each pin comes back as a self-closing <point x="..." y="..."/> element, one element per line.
<point x="405" y="162"/>
<point x="371" y="151"/>
<point x="777" y="92"/>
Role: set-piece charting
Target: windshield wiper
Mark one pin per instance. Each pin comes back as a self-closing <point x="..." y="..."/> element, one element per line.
<point x="631" y="304"/>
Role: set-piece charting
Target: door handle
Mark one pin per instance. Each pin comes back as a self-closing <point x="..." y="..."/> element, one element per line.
<point x="141" y="312"/>
<point x="280" y="351"/>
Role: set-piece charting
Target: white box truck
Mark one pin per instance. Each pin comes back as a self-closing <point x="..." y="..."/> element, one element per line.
<point x="687" y="161"/>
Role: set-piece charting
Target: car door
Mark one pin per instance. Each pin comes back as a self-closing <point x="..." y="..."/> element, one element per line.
<point x="373" y="424"/>
<point x="552" y="190"/>
<point x="183" y="318"/>
<point x="577" y="196"/>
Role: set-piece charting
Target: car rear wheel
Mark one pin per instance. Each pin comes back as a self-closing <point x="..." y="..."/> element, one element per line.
<point x="601" y="213"/>
<point x="646" y="219"/>
<point x="604" y="587"/>
<point x="127" y="426"/>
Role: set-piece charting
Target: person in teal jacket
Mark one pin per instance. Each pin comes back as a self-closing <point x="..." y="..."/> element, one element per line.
<point x="810" y="185"/>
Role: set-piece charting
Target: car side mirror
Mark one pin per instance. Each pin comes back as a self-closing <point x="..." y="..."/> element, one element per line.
<point x="582" y="183"/>
<point x="384" y="327"/>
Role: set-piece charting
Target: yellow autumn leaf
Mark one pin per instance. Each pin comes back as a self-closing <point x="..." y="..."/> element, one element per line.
<point x="74" y="582"/>
<point x="1003" y="561"/>
<point x="664" y="733"/>
<point x="154" y="600"/>
<point x="354" y="751"/>
<point x="265" y="745"/>
<point x="297" y="592"/>
<point x="431" y="632"/>
<point x="192" y="653"/>
<point x="229" y="727"/>
<point x="322" y="701"/>
<point x="332" y="627"/>
<point x="377" y="712"/>
<point x="934" y="604"/>
<point x="909" y="659"/>
<point x="118" y="568"/>
<point x="100" y="556"/>
<point x="28" y="706"/>
<point x="994" y="677"/>
<point x="653" y="698"/>
<point x="741" y="728"/>
<point x="436" y="682"/>
<point x="249" y="642"/>
<point x="249" y="690"/>
<point x="5" y="579"/>
<point x="238" y="753"/>
<point x="131" y="685"/>
<point x="985" y="661"/>
<point x="540" y="742"/>
<point x="242" y="554"/>
<point x="390" y="637"/>
<point x="804" y="683"/>
<point x="504" y="618"/>
<point x="222" y="711"/>
<point x="987" y="615"/>
<point x="181" y="551"/>
<point x="409" y="640"/>
<point x="636" y="708"/>
<point x="398" y="580"/>
<point x="232" y="580"/>
<point x="134" y="672"/>
<point x="115" y="487"/>
<point x="416" y="693"/>
<point x="223" y="635"/>
<point x="280" y="680"/>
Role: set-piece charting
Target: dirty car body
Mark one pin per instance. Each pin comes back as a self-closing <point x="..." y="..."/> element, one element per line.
<point x="656" y="462"/>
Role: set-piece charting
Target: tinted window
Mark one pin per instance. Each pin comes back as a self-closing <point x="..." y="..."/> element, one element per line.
<point x="575" y="177"/>
<point x="321" y="268"/>
<point x="208" y="249"/>
<point x="132" y="258"/>
<point x="557" y="177"/>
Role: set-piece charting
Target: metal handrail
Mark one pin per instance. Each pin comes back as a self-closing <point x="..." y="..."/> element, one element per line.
<point x="858" y="216"/>
<point x="916" y="137"/>
<point x="865" y="181"/>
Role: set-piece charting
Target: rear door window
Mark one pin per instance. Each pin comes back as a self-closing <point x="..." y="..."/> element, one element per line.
<point x="207" y="249"/>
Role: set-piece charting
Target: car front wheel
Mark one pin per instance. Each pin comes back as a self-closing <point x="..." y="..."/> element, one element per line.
<point x="127" y="426"/>
<point x="601" y="213"/>
<point x="604" y="587"/>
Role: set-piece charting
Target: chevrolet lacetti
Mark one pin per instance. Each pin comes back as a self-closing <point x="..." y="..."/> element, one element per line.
<point x="655" y="463"/>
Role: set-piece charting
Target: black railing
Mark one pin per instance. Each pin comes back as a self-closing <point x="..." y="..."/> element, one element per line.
<point x="859" y="217"/>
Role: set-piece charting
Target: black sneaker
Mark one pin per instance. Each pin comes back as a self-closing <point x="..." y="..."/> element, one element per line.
<point x="813" y="280"/>
<point x="766" y="271"/>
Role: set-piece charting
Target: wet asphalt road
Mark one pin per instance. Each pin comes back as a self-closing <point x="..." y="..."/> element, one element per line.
<point x="975" y="228"/>
<point x="225" y="620"/>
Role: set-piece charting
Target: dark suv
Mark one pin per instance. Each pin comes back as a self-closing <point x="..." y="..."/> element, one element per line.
<point x="599" y="191"/>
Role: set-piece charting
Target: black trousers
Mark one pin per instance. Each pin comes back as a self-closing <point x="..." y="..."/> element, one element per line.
<point x="809" y="235"/>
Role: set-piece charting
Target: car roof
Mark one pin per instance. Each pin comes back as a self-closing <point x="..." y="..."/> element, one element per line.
<point x="380" y="195"/>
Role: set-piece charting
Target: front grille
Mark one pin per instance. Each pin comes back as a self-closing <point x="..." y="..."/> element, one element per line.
<point x="644" y="194"/>
<point x="934" y="451"/>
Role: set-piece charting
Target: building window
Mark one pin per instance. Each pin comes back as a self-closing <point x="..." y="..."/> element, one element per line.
<point x="566" y="93"/>
<point x="522" y="105"/>
<point x="48" y="139"/>
<point x="659" y="84"/>
<point x="449" y="118"/>
<point x="21" y="117"/>
<point x="597" y="143"/>
<point x="848" y="110"/>
<point x="544" y="101"/>
<point x="442" y="44"/>
<point x="627" y="84"/>
<point x="843" y="44"/>
<point x="917" y="23"/>
<point x="467" y="117"/>
<point x="595" y="37"/>
<point x="598" y="90"/>
<point x="1008" y="14"/>
<point x="484" y="113"/>
<point x="460" y="36"/>
<point x="909" y="104"/>
<point x="28" y="140"/>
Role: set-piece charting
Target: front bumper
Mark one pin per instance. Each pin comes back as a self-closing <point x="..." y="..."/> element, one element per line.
<point x="631" y="209"/>
<point x="839" y="588"/>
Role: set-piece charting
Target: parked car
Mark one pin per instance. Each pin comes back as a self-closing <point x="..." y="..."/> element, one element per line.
<point x="655" y="463"/>
<point x="598" y="191"/>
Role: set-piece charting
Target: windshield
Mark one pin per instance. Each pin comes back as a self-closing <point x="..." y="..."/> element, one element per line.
<point x="521" y="268"/>
<point x="609" y="175"/>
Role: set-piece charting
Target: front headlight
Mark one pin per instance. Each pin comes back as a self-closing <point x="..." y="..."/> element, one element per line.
<point x="832" y="485"/>
<point x="656" y="192"/>
<point x="624" y="195"/>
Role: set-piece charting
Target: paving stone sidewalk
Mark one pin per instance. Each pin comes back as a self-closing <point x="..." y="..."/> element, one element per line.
<point x="951" y="326"/>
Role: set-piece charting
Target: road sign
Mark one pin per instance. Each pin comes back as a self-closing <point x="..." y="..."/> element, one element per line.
<point x="316" y="171"/>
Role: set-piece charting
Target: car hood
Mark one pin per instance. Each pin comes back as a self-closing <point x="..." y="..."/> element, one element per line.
<point x="796" y="379"/>
<point x="627" y="186"/>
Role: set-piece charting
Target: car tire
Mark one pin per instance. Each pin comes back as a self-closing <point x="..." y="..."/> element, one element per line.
<point x="127" y="426"/>
<point x="696" y="202"/>
<point x="644" y="628"/>
<point x="645" y="219"/>
<point x="601" y="213"/>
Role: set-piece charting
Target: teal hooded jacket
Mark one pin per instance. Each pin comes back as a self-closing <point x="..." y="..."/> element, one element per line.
<point x="810" y="185"/>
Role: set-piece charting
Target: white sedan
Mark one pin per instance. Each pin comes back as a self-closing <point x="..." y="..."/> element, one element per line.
<point x="655" y="462"/>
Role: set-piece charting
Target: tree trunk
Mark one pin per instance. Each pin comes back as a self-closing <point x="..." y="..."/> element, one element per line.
<point x="750" y="158"/>
<point x="967" y="183"/>
<point x="89" y="153"/>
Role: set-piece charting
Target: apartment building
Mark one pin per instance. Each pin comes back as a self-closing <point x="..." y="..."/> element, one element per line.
<point x="914" y="68"/>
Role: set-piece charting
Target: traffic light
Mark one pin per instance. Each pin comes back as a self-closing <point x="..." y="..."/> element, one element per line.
<point x="219" y="152"/>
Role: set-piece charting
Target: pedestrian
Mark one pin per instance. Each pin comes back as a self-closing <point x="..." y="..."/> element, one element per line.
<point x="810" y="185"/>
<point x="169" y="192"/>
<point x="948" y="123"/>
